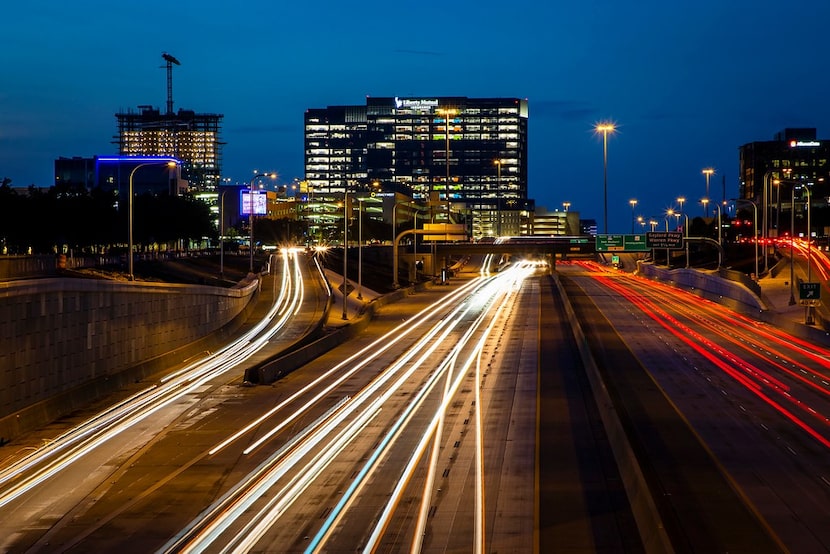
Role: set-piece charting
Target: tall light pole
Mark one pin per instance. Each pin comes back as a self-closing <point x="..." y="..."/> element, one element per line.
<point x="792" y="245"/>
<point x="251" y="215"/>
<point x="755" y="229"/>
<point x="633" y="203"/>
<point x="360" y="248"/>
<point x="808" y="314"/>
<point x="447" y="112"/>
<point x="705" y="202"/>
<point x="708" y="172"/>
<point x="222" y="234"/>
<point x="720" y="236"/>
<point x="345" y="248"/>
<point x="605" y="128"/>
<point x="498" y="195"/>
<point x="169" y="162"/>
<point x="566" y="205"/>
<point x="669" y="213"/>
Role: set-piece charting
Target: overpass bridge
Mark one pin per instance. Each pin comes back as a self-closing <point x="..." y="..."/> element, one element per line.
<point x="547" y="247"/>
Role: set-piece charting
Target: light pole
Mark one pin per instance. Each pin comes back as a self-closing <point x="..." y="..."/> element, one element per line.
<point x="680" y="201"/>
<point x="251" y="215"/>
<point x="765" y="224"/>
<point x="792" y="250"/>
<point x="755" y="232"/>
<point x="605" y="128"/>
<point x="345" y="248"/>
<point x="705" y="202"/>
<point x="708" y="172"/>
<point x="633" y="203"/>
<point x="808" y="314"/>
<point x="669" y="213"/>
<point x="222" y="234"/>
<point x="717" y="207"/>
<point x="566" y="205"/>
<point x="498" y="195"/>
<point x="447" y="113"/>
<point x="360" y="248"/>
<point x="169" y="162"/>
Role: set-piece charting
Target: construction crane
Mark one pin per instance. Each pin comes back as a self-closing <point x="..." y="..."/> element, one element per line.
<point x="170" y="61"/>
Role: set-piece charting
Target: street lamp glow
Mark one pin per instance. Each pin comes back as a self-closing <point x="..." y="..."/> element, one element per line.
<point x="708" y="172"/>
<point x="566" y="205"/>
<point x="633" y="203"/>
<point x="605" y="128"/>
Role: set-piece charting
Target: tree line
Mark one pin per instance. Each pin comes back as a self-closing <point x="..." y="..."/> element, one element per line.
<point x="41" y="221"/>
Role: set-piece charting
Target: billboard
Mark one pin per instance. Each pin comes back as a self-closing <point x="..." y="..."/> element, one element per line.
<point x="260" y="202"/>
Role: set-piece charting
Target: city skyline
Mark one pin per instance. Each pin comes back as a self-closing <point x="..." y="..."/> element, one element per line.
<point x="684" y="87"/>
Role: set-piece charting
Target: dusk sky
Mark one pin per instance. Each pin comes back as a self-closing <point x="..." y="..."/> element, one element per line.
<point x="687" y="83"/>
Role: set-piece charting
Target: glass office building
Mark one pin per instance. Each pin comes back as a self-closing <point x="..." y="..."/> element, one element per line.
<point x="466" y="153"/>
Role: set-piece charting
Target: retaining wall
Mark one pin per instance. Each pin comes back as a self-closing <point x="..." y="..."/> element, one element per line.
<point x="64" y="342"/>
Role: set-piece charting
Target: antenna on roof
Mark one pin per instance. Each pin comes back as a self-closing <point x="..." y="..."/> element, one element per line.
<point x="170" y="61"/>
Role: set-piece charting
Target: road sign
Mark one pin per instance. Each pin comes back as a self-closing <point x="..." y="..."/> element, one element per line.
<point x="621" y="243"/>
<point x="667" y="239"/>
<point x="809" y="293"/>
<point x="610" y="243"/>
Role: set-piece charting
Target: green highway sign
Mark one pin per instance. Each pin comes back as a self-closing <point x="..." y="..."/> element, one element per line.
<point x="668" y="239"/>
<point x="621" y="243"/>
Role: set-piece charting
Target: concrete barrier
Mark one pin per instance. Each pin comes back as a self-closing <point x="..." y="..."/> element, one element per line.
<point x="66" y="342"/>
<point x="650" y="524"/>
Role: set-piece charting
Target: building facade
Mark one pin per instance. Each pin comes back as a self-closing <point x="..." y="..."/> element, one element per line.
<point x="186" y="135"/>
<point x="773" y="173"/>
<point x="468" y="154"/>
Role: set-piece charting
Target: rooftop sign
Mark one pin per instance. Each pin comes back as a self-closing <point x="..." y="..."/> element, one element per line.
<point x="416" y="103"/>
<point x="804" y="143"/>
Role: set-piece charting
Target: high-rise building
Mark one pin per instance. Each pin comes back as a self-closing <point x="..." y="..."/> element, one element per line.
<point x="774" y="172"/>
<point x="186" y="135"/>
<point x="469" y="154"/>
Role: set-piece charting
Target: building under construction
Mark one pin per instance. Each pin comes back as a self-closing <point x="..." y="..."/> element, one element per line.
<point x="189" y="136"/>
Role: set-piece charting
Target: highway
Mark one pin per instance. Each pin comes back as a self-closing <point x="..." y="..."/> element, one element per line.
<point x="420" y="434"/>
<point x="756" y="399"/>
<point x="462" y="420"/>
<point x="37" y="483"/>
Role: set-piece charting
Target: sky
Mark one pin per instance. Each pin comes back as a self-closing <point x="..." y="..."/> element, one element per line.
<point x="686" y="82"/>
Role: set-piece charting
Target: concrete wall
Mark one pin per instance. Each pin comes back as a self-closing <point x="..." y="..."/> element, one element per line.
<point x="58" y="335"/>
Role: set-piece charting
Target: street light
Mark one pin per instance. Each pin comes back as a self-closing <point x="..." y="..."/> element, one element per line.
<point x="360" y="248"/>
<point x="447" y="113"/>
<point x="498" y="195"/>
<point x="251" y="215"/>
<point x="345" y="248"/>
<point x="633" y="203"/>
<point x="708" y="172"/>
<point x="605" y="128"/>
<point x="566" y="205"/>
<point x="705" y="202"/>
<point x="222" y="234"/>
<point x="669" y="213"/>
<point x="169" y="162"/>
<point x="755" y="232"/>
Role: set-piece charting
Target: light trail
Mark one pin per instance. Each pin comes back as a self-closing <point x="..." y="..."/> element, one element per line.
<point x="199" y="535"/>
<point x="752" y="377"/>
<point x="82" y="439"/>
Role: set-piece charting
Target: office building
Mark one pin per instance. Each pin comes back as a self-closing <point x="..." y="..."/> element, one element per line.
<point x="464" y="155"/>
<point x="773" y="172"/>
